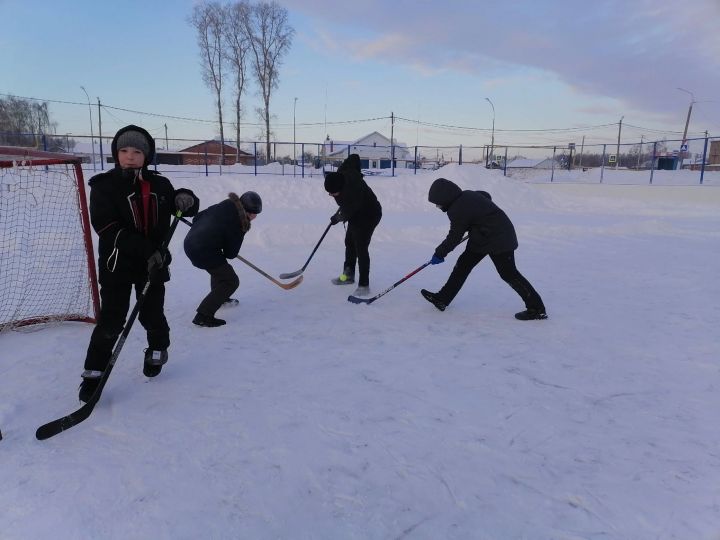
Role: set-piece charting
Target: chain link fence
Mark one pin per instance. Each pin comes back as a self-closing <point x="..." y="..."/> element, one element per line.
<point x="698" y="156"/>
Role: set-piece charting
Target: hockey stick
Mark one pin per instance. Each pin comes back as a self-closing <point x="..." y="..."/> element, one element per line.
<point x="298" y="272"/>
<point x="358" y="300"/>
<point x="66" y="422"/>
<point x="286" y="286"/>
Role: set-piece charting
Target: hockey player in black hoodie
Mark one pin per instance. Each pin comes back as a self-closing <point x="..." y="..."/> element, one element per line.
<point x="130" y="210"/>
<point x="491" y="233"/>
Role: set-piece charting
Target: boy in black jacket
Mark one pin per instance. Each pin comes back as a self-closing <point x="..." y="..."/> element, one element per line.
<point x="216" y="235"/>
<point x="130" y="210"/>
<point x="491" y="233"/>
<point x="360" y="208"/>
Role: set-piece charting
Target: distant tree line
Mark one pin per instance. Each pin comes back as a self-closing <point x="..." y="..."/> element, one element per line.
<point x="26" y="122"/>
<point x="241" y="40"/>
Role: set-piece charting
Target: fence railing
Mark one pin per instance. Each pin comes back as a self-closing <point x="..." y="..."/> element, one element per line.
<point x="302" y="159"/>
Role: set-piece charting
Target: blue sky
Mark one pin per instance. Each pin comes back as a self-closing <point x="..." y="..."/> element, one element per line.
<point x="544" y="65"/>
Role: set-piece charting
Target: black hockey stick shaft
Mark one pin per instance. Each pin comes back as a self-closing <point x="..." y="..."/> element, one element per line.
<point x="298" y="272"/>
<point x="66" y="422"/>
<point x="358" y="300"/>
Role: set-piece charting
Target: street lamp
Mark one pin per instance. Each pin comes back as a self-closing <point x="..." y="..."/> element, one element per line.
<point x="687" y="120"/>
<point x="294" y="151"/>
<point x="492" y="138"/>
<point x="617" y="151"/>
<point x="92" y="142"/>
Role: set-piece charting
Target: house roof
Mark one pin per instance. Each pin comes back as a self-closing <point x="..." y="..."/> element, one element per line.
<point x="340" y="147"/>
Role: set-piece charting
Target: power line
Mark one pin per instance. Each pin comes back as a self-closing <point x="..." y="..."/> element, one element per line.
<point x="357" y="121"/>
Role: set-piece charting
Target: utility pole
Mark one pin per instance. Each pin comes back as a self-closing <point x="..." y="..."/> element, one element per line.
<point x="392" y="143"/>
<point x="294" y="151"/>
<point x="492" y="137"/>
<point x="92" y="137"/>
<point x="582" y="149"/>
<point x="617" y="153"/>
<point x="102" y="165"/>
<point x="640" y="152"/>
<point x="682" y="153"/>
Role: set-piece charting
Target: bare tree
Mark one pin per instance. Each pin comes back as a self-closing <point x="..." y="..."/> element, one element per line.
<point x="270" y="39"/>
<point x="207" y="19"/>
<point x="237" y="44"/>
<point x="25" y="122"/>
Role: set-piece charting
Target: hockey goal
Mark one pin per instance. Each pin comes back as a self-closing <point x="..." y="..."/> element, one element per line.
<point x="47" y="266"/>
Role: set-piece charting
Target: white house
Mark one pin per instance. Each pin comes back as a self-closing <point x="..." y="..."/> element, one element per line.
<point x="525" y="163"/>
<point x="374" y="150"/>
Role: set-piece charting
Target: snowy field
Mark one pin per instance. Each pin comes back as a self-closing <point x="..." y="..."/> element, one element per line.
<point x="308" y="417"/>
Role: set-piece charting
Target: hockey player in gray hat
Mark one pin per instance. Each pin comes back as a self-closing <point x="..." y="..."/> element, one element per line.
<point x="130" y="209"/>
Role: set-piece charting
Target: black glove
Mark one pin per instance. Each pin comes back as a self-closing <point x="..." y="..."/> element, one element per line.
<point x="157" y="260"/>
<point x="184" y="201"/>
<point x="336" y="218"/>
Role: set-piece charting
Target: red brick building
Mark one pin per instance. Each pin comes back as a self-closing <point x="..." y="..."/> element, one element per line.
<point x="210" y="151"/>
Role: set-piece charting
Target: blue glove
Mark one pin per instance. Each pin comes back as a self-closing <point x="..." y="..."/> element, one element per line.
<point x="437" y="260"/>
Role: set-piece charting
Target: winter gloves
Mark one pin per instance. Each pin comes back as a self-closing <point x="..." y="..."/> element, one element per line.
<point x="436" y="260"/>
<point x="336" y="218"/>
<point x="184" y="201"/>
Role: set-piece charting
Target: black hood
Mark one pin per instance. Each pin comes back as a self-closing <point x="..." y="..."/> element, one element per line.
<point x="443" y="193"/>
<point x="351" y="163"/>
<point x="151" y="144"/>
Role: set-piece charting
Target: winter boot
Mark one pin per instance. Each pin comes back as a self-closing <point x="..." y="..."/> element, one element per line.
<point x="346" y="278"/>
<point x="230" y="302"/>
<point x="90" y="382"/>
<point x="531" y="315"/>
<point x="207" y="320"/>
<point x="433" y="299"/>
<point x="154" y="361"/>
<point x="362" y="290"/>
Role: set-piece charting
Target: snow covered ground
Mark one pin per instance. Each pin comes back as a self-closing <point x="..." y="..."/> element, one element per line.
<point x="308" y="417"/>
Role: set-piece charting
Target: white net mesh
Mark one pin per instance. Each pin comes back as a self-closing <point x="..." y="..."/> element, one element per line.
<point x="44" y="260"/>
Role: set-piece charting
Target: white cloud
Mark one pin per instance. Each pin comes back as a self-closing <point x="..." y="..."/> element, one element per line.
<point x="635" y="52"/>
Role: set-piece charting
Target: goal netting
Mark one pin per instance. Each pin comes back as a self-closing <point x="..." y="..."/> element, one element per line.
<point x="47" y="267"/>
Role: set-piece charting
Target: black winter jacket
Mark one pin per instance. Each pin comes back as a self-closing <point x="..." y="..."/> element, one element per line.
<point x="216" y="235"/>
<point x="491" y="230"/>
<point x="356" y="200"/>
<point x="116" y="215"/>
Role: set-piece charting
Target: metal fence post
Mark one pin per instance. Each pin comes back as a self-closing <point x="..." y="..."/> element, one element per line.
<point x="255" y="156"/>
<point x="460" y="156"/>
<point x="602" y="164"/>
<point x="302" y="160"/>
<point x="415" y="161"/>
<point x="552" y="165"/>
<point x="652" y="165"/>
<point x="702" y="167"/>
<point x="206" y="160"/>
<point x="505" y="163"/>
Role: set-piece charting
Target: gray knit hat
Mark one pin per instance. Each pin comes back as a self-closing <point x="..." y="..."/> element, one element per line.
<point x="135" y="139"/>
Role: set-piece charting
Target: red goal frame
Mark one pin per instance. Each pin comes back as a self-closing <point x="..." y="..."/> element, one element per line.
<point x="19" y="157"/>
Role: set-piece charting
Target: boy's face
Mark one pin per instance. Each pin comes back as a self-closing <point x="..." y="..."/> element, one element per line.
<point x="130" y="158"/>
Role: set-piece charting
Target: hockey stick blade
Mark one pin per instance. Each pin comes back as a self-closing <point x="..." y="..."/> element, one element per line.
<point x="291" y="285"/>
<point x="291" y="275"/>
<point x="66" y="422"/>
<point x="358" y="300"/>
<point x="286" y="286"/>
